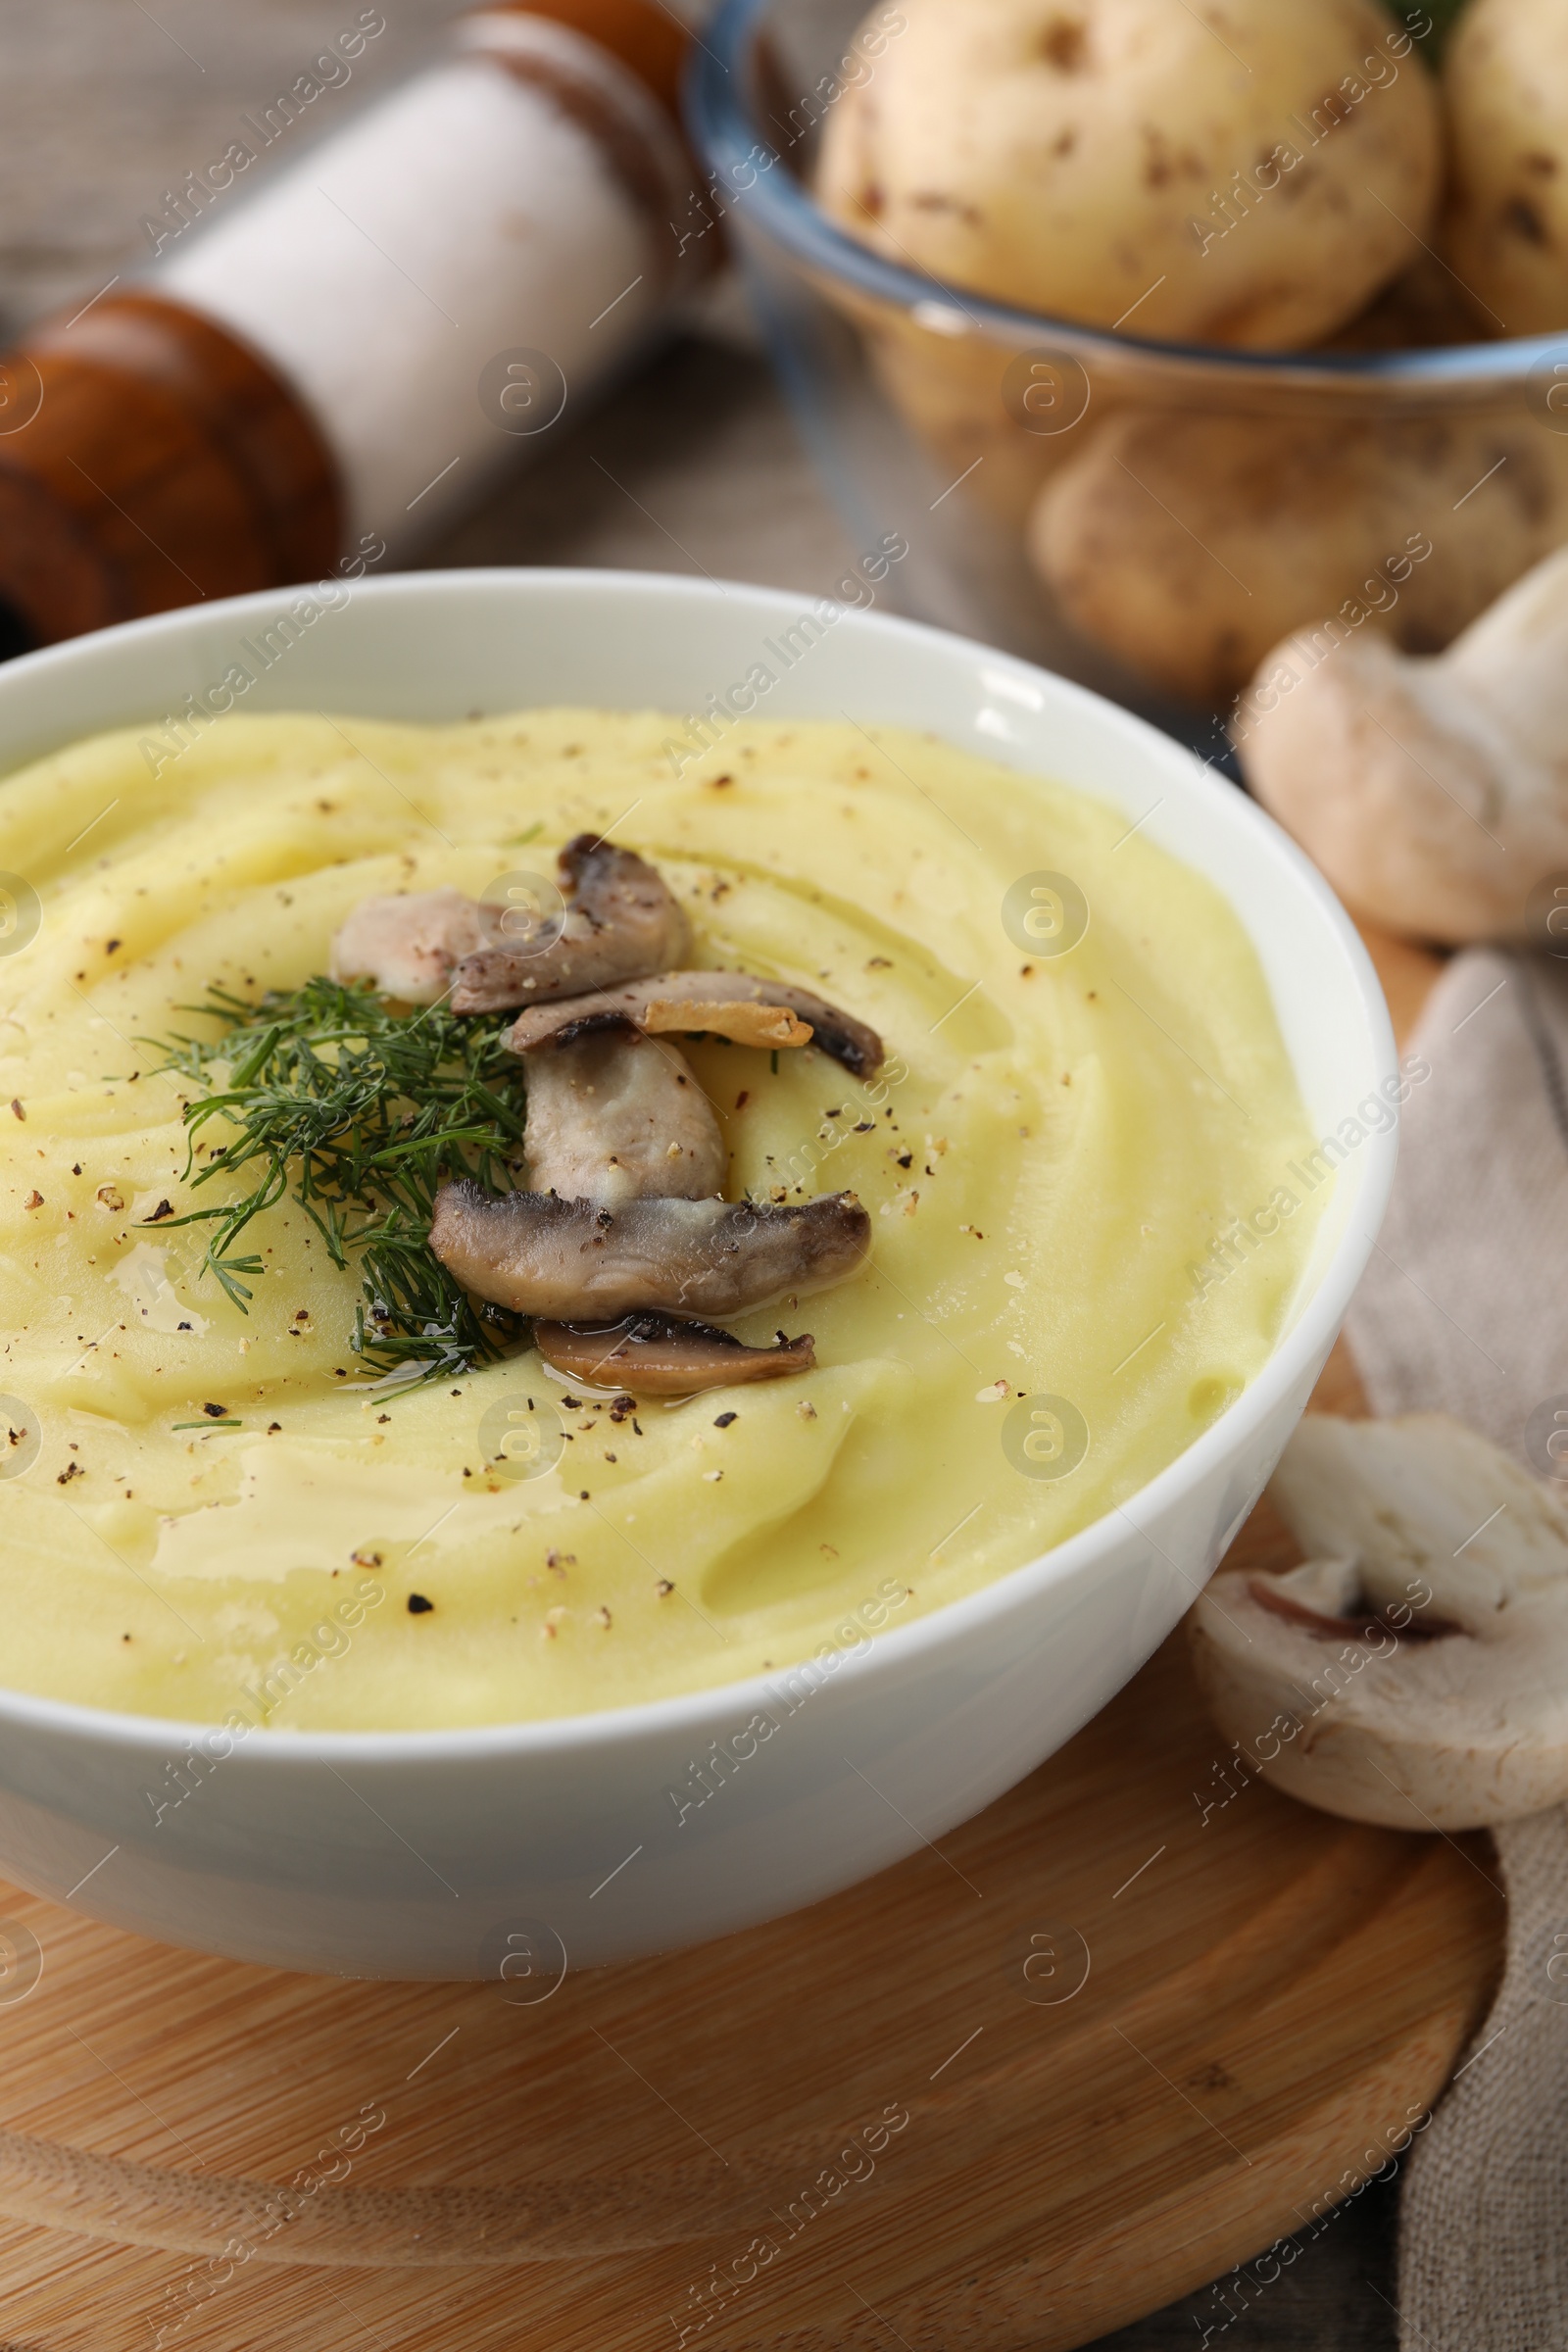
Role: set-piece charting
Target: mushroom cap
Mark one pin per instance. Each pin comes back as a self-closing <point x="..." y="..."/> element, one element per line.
<point x="1415" y="1671"/>
<point x="1389" y="782"/>
<point x="619" y="918"/>
<point x="579" y="1261"/>
<point x="734" y="1004"/>
<point x="656" y="1356"/>
<point x="407" y="945"/>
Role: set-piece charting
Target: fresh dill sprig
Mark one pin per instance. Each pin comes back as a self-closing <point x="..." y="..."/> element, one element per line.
<point x="359" y="1114"/>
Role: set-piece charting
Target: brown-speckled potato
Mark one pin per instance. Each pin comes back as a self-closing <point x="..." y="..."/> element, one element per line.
<point x="1188" y="545"/>
<point x="950" y="393"/>
<point x="1506" y="84"/>
<point x="1240" y="172"/>
<point x="1424" y="310"/>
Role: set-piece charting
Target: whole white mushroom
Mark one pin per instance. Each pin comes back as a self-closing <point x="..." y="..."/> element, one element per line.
<point x="1431" y="793"/>
<point x="1415" y="1672"/>
<point x="1240" y="172"/>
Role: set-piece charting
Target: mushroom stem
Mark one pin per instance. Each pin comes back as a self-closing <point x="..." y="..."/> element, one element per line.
<point x="615" y="1116"/>
<point x="572" y="1261"/>
<point x="1432" y="793"/>
<point x="656" y="1356"/>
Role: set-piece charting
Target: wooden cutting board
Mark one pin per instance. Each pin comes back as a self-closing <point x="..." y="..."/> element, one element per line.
<point x="1128" y="2028"/>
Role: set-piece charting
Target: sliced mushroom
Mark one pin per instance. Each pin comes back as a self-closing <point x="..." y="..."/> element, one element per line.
<point x="409" y="947"/>
<point x="734" y="1004"/>
<point x="1415" y="1672"/>
<point x="620" y="919"/>
<point x="575" y="1261"/>
<point x="615" y="1116"/>
<point x="654" y="1356"/>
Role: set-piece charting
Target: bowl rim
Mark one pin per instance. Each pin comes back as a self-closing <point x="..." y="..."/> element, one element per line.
<point x="889" y="1651"/>
<point x="730" y="138"/>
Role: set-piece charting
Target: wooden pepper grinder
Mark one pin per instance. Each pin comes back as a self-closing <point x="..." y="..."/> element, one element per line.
<point x="341" y="360"/>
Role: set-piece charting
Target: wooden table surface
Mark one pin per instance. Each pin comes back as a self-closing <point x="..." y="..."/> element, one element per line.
<point x="104" y="104"/>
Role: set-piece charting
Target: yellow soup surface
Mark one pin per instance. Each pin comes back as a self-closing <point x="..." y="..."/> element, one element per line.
<point x="1086" y="1092"/>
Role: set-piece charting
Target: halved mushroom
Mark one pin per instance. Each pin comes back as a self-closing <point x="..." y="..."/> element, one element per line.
<point x="1415" y="1672"/>
<point x="733" y="1005"/>
<point x="656" y="1356"/>
<point x="574" y="1261"/>
<point x="617" y="918"/>
<point x="615" y="1116"/>
<point x="410" y="946"/>
<point x="620" y="919"/>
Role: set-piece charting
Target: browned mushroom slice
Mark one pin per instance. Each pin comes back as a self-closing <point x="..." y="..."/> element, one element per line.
<point x="735" y="1004"/>
<point x="576" y="1262"/>
<point x="620" y="919"/>
<point x="615" y="1116"/>
<point x="410" y="945"/>
<point x="654" y="1356"/>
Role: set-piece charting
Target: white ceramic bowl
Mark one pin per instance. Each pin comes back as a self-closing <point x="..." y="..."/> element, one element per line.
<point x="457" y="1854"/>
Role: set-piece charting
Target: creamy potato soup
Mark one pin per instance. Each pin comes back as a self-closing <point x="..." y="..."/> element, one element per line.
<point x="1076" y="1154"/>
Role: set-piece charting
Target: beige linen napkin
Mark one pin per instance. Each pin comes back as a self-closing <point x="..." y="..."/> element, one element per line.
<point x="1462" y="1311"/>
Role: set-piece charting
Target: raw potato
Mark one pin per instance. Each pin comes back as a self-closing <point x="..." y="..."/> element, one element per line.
<point x="1189" y="546"/>
<point x="1424" y="310"/>
<point x="1506" y="83"/>
<point x="1242" y="172"/>
<point x="949" y="393"/>
<point x="951" y="388"/>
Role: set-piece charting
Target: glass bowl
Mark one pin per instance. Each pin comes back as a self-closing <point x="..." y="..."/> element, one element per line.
<point x="1148" y="517"/>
